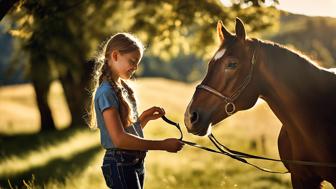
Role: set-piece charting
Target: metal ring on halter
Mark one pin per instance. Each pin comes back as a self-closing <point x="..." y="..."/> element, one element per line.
<point x="227" y="108"/>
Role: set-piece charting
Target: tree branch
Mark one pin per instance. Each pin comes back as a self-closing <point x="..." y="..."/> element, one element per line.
<point x="5" y="6"/>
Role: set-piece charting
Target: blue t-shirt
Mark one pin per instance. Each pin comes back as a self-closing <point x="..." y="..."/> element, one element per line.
<point x="106" y="97"/>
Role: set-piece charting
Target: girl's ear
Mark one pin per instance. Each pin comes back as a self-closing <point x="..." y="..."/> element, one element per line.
<point x="114" y="56"/>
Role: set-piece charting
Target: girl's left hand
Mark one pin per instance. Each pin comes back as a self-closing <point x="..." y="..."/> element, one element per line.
<point x="151" y="114"/>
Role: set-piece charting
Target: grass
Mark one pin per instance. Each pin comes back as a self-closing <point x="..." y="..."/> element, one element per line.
<point x="71" y="158"/>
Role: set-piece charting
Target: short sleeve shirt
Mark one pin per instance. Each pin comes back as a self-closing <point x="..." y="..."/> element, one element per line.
<point x="106" y="97"/>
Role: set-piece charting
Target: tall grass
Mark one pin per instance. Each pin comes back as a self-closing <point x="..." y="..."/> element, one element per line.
<point x="71" y="158"/>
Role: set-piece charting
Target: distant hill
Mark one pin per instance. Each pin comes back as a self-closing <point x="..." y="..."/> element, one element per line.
<point x="314" y="36"/>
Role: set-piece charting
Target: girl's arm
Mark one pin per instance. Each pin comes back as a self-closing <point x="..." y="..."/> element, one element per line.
<point x="124" y="140"/>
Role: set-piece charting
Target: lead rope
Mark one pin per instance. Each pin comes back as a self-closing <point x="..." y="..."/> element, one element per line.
<point x="241" y="155"/>
<point x="224" y="150"/>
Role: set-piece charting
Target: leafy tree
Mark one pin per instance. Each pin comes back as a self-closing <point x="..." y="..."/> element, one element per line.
<point x="61" y="36"/>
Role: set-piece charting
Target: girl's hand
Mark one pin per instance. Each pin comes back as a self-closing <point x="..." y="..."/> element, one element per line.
<point x="172" y="145"/>
<point x="151" y="114"/>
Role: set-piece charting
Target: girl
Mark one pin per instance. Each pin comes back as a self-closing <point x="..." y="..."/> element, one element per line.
<point x="114" y="112"/>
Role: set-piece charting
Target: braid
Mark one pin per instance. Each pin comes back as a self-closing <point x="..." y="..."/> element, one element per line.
<point x="124" y="108"/>
<point x="131" y="99"/>
<point x="96" y="81"/>
<point x="103" y="72"/>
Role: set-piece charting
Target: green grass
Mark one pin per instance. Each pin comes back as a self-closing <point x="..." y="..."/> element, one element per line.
<point x="71" y="158"/>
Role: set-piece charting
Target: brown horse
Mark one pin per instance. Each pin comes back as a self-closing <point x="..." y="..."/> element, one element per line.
<point x="301" y="94"/>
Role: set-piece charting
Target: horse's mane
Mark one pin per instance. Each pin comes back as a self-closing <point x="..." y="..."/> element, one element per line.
<point x="293" y="56"/>
<point x="292" y="51"/>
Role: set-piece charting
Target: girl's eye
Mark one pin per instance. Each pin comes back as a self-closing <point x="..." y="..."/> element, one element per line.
<point x="133" y="63"/>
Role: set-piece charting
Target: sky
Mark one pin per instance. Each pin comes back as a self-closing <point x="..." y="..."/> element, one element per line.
<point x="309" y="7"/>
<point x="306" y="7"/>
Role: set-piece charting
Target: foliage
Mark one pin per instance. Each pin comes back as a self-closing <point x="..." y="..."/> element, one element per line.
<point x="169" y="28"/>
<point x="174" y="27"/>
<point x="60" y="37"/>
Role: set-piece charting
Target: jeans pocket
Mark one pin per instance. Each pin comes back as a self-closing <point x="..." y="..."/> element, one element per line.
<point x="107" y="172"/>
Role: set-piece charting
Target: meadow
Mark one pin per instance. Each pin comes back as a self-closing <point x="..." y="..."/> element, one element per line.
<point x="71" y="157"/>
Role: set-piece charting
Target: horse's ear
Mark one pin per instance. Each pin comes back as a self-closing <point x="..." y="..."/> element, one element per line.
<point x="240" y="29"/>
<point x="222" y="32"/>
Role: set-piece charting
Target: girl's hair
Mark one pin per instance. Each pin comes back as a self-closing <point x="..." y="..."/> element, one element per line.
<point x="124" y="43"/>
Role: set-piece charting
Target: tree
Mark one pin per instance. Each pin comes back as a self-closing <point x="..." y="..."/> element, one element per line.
<point x="5" y="6"/>
<point x="64" y="35"/>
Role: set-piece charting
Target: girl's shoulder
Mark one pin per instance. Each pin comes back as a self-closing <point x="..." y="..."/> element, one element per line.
<point x="105" y="88"/>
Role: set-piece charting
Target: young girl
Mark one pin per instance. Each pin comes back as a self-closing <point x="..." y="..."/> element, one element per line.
<point x="114" y="113"/>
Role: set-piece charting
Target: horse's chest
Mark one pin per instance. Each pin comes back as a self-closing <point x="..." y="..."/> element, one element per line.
<point x="311" y="146"/>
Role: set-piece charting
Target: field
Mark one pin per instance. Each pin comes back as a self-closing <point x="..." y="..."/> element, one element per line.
<point x="71" y="158"/>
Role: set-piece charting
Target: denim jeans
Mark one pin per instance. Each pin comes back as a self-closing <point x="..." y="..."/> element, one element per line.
<point x="124" y="169"/>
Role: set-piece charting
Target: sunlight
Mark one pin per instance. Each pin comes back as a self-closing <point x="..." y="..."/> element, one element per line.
<point x="79" y="142"/>
<point x="173" y="96"/>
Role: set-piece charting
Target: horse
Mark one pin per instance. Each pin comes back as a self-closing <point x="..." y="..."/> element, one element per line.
<point x="300" y="93"/>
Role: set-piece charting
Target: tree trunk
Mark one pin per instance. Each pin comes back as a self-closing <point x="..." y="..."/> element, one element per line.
<point x="77" y="94"/>
<point x="41" y="79"/>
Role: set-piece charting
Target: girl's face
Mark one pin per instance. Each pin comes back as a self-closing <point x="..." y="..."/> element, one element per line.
<point x="124" y="65"/>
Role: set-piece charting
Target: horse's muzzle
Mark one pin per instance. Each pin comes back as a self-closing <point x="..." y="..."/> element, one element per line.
<point x="193" y="124"/>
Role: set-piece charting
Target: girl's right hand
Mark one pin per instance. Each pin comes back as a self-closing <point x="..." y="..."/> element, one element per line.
<point x="172" y="145"/>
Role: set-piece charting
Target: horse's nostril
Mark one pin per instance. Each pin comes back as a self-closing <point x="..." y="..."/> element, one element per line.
<point x="194" y="117"/>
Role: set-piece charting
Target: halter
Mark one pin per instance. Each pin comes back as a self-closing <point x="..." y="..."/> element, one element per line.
<point x="229" y="100"/>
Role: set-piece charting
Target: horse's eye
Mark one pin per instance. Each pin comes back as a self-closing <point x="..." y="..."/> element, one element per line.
<point x="232" y="65"/>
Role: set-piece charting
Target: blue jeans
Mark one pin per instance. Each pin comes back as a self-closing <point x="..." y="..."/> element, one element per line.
<point x="124" y="169"/>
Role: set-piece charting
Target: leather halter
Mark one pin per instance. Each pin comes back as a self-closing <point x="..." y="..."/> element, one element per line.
<point x="229" y="100"/>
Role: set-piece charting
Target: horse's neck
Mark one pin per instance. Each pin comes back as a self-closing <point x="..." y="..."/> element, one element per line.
<point x="291" y="84"/>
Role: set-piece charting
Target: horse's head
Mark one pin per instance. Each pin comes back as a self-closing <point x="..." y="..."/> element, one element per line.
<point x="228" y="86"/>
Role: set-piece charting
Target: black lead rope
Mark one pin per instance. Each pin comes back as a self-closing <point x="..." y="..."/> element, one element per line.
<point x="174" y="124"/>
<point x="240" y="156"/>
<point x="181" y="136"/>
<point x="223" y="149"/>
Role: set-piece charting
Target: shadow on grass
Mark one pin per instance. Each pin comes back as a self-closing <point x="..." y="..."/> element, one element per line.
<point x="19" y="145"/>
<point x="57" y="170"/>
